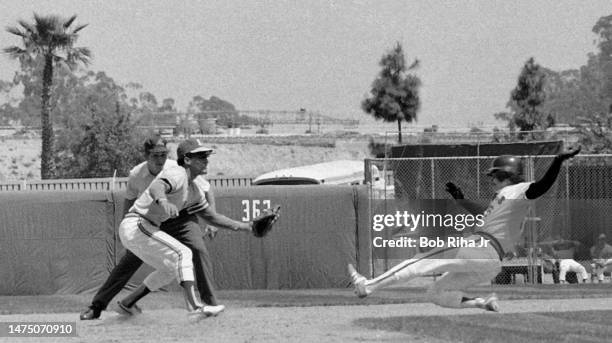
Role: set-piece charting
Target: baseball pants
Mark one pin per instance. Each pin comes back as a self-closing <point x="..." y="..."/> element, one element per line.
<point x="569" y="265"/>
<point x="170" y="258"/>
<point x="601" y="267"/>
<point x="461" y="268"/>
<point x="187" y="231"/>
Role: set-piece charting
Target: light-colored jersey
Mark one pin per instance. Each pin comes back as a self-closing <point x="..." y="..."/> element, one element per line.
<point x="140" y="178"/>
<point x="182" y="194"/>
<point x="504" y="217"/>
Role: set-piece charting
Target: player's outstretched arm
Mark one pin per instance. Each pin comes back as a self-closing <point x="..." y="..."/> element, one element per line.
<point x="541" y="186"/>
<point x="471" y="206"/>
<point x="213" y="218"/>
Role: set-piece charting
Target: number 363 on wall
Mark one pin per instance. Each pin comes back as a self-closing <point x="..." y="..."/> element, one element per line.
<point x="253" y="208"/>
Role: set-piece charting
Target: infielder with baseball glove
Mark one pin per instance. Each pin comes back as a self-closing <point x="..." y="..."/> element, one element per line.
<point x="463" y="267"/>
<point x="185" y="228"/>
<point x="174" y="190"/>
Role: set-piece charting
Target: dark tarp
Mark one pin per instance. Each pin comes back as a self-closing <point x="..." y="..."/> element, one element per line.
<point x="66" y="242"/>
<point x="54" y="242"/>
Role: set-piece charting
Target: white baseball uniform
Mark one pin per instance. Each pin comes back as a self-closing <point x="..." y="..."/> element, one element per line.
<point x="570" y="265"/>
<point x="466" y="266"/>
<point x="139" y="231"/>
<point x="602" y="260"/>
<point x="140" y="178"/>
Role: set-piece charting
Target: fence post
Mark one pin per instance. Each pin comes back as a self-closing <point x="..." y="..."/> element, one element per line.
<point x="433" y="179"/>
<point x="112" y="186"/>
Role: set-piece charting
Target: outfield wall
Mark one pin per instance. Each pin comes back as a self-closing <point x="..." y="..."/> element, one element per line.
<point x="66" y="242"/>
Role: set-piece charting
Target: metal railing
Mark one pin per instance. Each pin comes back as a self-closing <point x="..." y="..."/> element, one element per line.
<point x="103" y="184"/>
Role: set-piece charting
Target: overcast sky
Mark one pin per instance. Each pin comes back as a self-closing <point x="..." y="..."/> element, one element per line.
<point x="323" y="55"/>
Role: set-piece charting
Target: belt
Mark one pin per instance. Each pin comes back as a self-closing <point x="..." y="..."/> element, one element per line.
<point x="494" y="243"/>
<point x="138" y="215"/>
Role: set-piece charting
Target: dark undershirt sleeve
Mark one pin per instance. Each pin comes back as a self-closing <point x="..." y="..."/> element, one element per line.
<point x="541" y="186"/>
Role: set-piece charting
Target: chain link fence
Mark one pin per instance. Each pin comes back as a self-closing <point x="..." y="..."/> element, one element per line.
<point x="568" y="218"/>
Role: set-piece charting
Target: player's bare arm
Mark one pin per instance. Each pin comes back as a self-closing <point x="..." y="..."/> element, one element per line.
<point x="213" y="218"/>
<point x="158" y="190"/>
<point x="210" y="231"/>
<point x="541" y="186"/>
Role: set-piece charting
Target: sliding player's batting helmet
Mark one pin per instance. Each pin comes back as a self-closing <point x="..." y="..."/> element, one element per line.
<point x="508" y="164"/>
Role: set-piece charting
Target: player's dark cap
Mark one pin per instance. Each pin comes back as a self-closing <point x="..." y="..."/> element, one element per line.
<point x="192" y="147"/>
<point x="506" y="163"/>
<point x="155" y="143"/>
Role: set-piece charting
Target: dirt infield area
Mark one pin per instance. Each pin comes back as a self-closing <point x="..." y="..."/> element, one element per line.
<point x="575" y="313"/>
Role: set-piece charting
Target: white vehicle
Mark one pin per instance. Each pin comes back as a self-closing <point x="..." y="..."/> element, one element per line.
<point x="341" y="172"/>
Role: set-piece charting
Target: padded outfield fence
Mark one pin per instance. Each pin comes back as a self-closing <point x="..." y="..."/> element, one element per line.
<point x="576" y="209"/>
<point x="102" y="184"/>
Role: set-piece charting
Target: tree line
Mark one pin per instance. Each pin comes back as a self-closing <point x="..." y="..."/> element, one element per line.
<point x="88" y="121"/>
<point x="94" y="118"/>
<point x="542" y="97"/>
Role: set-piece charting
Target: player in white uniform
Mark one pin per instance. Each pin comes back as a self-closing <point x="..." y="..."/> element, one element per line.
<point x="571" y="265"/>
<point x="468" y="266"/>
<point x="185" y="228"/>
<point x="560" y="252"/>
<point x="601" y="253"/>
<point x="173" y="190"/>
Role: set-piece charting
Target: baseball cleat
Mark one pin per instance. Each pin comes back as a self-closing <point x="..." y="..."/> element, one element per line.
<point x="358" y="281"/>
<point x="215" y="310"/>
<point x="127" y="311"/>
<point x="90" y="314"/>
<point x="205" y="312"/>
<point x="490" y="303"/>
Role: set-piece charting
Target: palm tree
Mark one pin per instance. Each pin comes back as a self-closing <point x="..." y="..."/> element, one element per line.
<point x="50" y="39"/>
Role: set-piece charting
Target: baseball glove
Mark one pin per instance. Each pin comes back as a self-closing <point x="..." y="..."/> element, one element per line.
<point x="454" y="190"/>
<point x="264" y="223"/>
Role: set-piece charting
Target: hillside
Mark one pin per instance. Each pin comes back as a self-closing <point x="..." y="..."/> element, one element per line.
<point x="20" y="158"/>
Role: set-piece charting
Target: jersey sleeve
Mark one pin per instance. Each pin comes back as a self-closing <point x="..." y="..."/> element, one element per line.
<point x="197" y="198"/>
<point x="174" y="177"/>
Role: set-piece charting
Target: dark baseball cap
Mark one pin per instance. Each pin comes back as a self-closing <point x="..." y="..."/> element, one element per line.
<point x="192" y="147"/>
<point x="155" y="143"/>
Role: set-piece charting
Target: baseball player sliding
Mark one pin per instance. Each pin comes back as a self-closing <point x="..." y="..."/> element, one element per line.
<point x="174" y="189"/>
<point x="468" y="266"/>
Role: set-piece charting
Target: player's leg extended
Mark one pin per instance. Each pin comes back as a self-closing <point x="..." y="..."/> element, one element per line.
<point x="435" y="261"/>
<point x="118" y="278"/>
<point x="580" y="270"/>
<point x="202" y="264"/>
<point x="563" y="269"/>
<point x="169" y="257"/>
<point x="448" y="291"/>
<point x="421" y="264"/>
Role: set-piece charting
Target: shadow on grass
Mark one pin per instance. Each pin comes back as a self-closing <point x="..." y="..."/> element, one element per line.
<point x="580" y="326"/>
